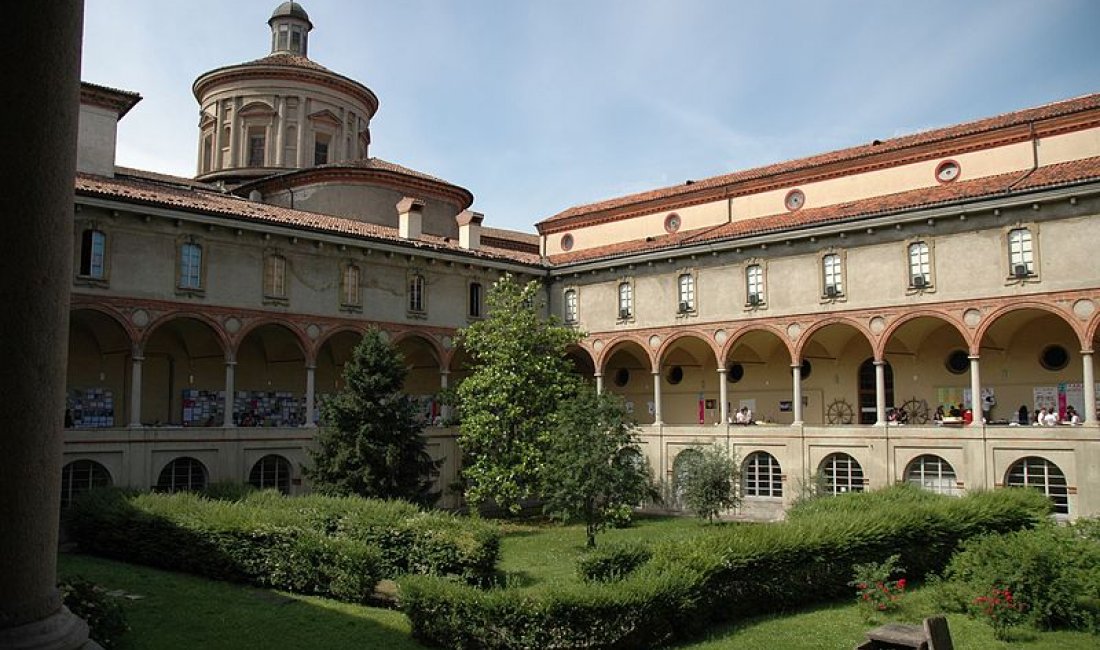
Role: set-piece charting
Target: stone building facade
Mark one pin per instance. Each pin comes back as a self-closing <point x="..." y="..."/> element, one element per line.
<point x="209" y="315"/>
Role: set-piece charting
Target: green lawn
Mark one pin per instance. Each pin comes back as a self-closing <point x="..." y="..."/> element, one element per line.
<point x="181" y="611"/>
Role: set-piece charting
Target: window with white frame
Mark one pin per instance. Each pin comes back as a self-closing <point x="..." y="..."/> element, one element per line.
<point x="190" y="275"/>
<point x="272" y="472"/>
<point x="80" y="476"/>
<point x="920" y="265"/>
<point x="687" y="293"/>
<point x="762" y="476"/>
<point x="841" y="473"/>
<point x="349" y="285"/>
<point x="183" y="474"/>
<point x="570" y="301"/>
<point x="474" y="302"/>
<point x="754" y="279"/>
<point x="834" y="275"/>
<point x="1043" y="475"/>
<point x="93" y="254"/>
<point x="1021" y="253"/>
<point x="275" y="276"/>
<point x="932" y="473"/>
<point x="626" y="300"/>
<point x="416" y="293"/>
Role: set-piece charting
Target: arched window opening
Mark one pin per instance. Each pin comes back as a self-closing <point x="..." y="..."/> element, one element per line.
<point x="1043" y="475"/>
<point x="272" y="472"/>
<point x="840" y="473"/>
<point x="932" y="473"/>
<point x="80" y="476"/>
<point x="761" y="476"/>
<point x="183" y="474"/>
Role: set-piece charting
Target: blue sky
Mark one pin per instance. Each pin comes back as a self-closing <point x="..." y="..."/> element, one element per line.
<point x="539" y="105"/>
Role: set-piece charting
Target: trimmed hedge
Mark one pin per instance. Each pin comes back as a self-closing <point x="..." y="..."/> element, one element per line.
<point x="221" y="540"/>
<point x="722" y="574"/>
<point x="612" y="562"/>
<point x="313" y="544"/>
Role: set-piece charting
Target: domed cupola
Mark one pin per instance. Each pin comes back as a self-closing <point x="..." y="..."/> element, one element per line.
<point x="282" y="112"/>
<point x="290" y="29"/>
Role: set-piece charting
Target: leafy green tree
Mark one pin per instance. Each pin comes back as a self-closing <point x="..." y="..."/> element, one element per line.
<point x="370" y="444"/>
<point x="507" y="404"/>
<point x="709" y="481"/>
<point x="592" y="469"/>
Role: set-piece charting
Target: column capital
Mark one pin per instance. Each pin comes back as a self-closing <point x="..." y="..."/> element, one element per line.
<point x="597" y="374"/>
<point x="877" y="362"/>
<point x="311" y="366"/>
<point x="973" y="357"/>
<point x="230" y="362"/>
<point x="137" y="359"/>
<point x="1087" y="351"/>
<point x="444" y="371"/>
<point x="722" y="371"/>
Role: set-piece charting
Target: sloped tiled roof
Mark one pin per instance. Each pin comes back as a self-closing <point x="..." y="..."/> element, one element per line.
<point x="289" y="60"/>
<point x="1006" y="120"/>
<point x="991" y="186"/>
<point x="150" y="192"/>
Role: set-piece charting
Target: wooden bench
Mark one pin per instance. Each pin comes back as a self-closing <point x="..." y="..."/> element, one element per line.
<point x="933" y="635"/>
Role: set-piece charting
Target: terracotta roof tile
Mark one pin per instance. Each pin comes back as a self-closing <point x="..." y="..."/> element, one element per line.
<point x="1046" y="111"/>
<point x="1053" y="175"/>
<point x="289" y="60"/>
<point x="146" y="191"/>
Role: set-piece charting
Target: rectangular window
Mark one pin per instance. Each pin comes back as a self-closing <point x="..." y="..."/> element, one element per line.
<point x="754" y="276"/>
<point x="256" y="141"/>
<point x="349" y="286"/>
<point x="93" y="248"/>
<point x="920" y="267"/>
<point x="834" y="282"/>
<point x="475" y="300"/>
<point x="320" y="149"/>
<point x="571" y="306"/>
<point x="1021" y="256"/>
<point x="626" y="300"/>
<point x="416" y="293"/>
<point x="687" y="293"/>
<point x="190" y="266"/>
<point x="283" y="29"/>
<point x="275" y="276"/>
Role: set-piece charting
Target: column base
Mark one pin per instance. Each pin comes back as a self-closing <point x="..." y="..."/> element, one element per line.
<point x="61" y="630"/>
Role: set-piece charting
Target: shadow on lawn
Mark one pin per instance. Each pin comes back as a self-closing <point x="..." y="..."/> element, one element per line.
<point x="175" y="610"/>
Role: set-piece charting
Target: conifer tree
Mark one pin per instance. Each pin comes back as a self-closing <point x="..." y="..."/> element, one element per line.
<point x="370" y="443"/>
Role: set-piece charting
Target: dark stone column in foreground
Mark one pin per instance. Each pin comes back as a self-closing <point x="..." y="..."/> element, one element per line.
<point x="41" y="85"/>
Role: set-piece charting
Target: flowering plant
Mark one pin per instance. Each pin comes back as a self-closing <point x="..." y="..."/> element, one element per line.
<point x="874" y="588"/>
<point x="1001" y="609"/>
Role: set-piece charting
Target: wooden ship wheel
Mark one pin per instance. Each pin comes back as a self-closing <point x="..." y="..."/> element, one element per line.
<point x="917" y="410"/>
<point x="840" y="412"/>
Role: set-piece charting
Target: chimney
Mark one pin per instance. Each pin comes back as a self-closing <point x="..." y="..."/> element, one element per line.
<point x="410" y="213"/>
<point x="469" y="229"/>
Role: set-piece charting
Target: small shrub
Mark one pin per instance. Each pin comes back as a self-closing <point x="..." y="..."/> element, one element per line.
<point x="1052" y="569"/>
<point x="875" y="590"/>
<point x="612" y="561"/>
<point x="1000" y="610"/>
<point x="104" y="615"/>
<point x="709" y="481"/>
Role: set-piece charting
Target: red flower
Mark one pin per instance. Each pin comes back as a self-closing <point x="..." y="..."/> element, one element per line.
<point x="901" y="583"/>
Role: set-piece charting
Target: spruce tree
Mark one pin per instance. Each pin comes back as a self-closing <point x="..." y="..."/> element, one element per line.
<point x="370" y="443"/>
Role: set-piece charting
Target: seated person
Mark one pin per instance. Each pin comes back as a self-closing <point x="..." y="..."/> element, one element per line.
<point x="1071" y="416"/>
<point x="939" y="415"/>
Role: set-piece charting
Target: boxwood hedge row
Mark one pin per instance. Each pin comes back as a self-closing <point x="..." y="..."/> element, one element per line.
<point x="723" y="574"/>
<point x="325" y="545"/>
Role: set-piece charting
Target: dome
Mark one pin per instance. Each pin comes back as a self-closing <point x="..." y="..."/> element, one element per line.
<point x="290" y="10"/>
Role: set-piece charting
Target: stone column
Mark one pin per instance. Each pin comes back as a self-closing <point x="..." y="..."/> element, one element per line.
<point x="444" y="378"/>
<point x="880" y="392"/>
<point x="599" y="382"/>
<point x="135" y="389"/>
<point x="42" y="78"/>
<point x="723" y="396"/>
<point x="309" y="395"/>
<point x="280" y="132"/>
<point x="657" y="398"/>
<point x="303" y="125"/>
<point x="796" y="392"/>
<point x="1090" y="387"/>
<point x="219" y="116"/>
<point x="975" y="391"/>
<point x="235" y="158"/>
<point x="230" y="372"/>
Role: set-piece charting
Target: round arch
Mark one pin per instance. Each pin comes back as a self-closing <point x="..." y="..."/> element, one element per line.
<point x="758" y="374"/>
<point x="918" y="349"/>
<point x="834" y="351"/>
<point x="182" y="372"/>
<point x="97" y="374"/>
<point x="271" y="472"/>
<point x="998" y="315"/>
<point x="80" y="475"/>
<point x="690" y="388"/>
<point x="908" y="317"/>
<point x="627" y="369"/>
<point x="761" y="475"/>
<point x="425" y="360"/>
<point x="621" y="343"/>
<point x="1039" y="473"/>
<point x="1026" y="352"/>
<point x="299" y="335"/>
<point x="332" y="353"/>
<point x="167" y="319"/>
<point x="182" y="474"/>
<point x="270" y="381"/>
<point x="933" y="473"/>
